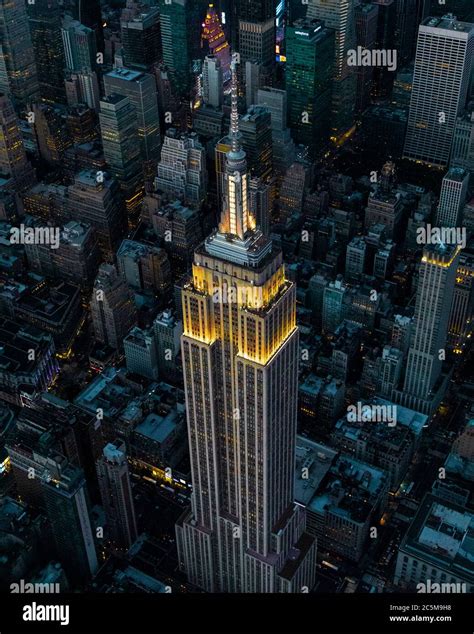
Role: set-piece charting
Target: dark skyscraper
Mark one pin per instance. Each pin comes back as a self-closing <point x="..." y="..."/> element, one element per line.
<point x="310" y="59"/>
<point x="67" y="509"/>
<point x="140" y="32"/>
<point x="90" y="14"/>
<point x="255" y="24"/>
<point x="255" y="10"/>
<point x="45" y="27"/>
<point x="18" y="77"/>
<point x="181" y="25"/>
<point x="116" y="494"/>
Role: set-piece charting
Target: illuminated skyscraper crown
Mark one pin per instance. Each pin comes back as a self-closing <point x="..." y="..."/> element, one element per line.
<point x="235" y="219"/>
<point x="237" y="239"/>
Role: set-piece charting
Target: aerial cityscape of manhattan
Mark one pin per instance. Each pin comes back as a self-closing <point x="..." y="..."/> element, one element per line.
<point x="236" y="311"/>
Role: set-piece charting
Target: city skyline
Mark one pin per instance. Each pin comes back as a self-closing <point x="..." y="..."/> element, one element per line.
<point x="236" y="310"/>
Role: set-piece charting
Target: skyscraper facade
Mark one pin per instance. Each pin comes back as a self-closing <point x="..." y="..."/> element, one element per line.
<point x="140" y="88"/>
<point x="96" y="198"/>
<point x="452" y="198"/>
<point x="440" y="83"/>
<point x="140" y="34"/>
<point x="256" y="135"/>
<point x="462" y="309"/>
<point x="18" y="75"/>
<point x="240" y="357"/>
<point x="254" y="24"/>
<point x="13" y="161"/>
<point x="112" y="308"/>
<point x="116" y="494"/>
<point x="80" y="48"/>
<point x="182" y="167"/>
<point x="462" y="151"/>
<point x="212" y="81"/>
<point x="276" y="102"/>
<point x="181" y="38"/>
<point x="339" y="16"/>
<point x="309" y="70"/>
<point x="121" y="143"/>
<point x="366" y="34"/>
<point x="213" y="34"/>
<point x="45" y="27"/>
<point x="67" y="508"/>
<point x="432" y="309"/>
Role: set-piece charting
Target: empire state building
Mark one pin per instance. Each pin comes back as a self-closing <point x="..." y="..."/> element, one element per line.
<point x="244" y="532"/>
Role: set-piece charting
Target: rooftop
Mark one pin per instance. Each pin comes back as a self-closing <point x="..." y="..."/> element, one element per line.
<point x="317" y="459"/>
<point x="156" y="427"/>
<point x="443" y="533"/>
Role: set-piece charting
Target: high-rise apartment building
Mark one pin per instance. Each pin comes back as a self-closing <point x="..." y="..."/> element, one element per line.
<point x="116" y="494"/>
<point x="244" y="532"/>
<point x="18" y="75"/>
<point x="452" y="198"/>
<point x="339" y="16"/>
<point x="440" y="83"/>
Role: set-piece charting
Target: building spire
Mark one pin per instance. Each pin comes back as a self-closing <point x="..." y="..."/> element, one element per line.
<point x="234" y="116"/>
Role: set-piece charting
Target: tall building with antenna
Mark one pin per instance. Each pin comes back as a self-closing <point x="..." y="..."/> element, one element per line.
<point x="244" y="532"/>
